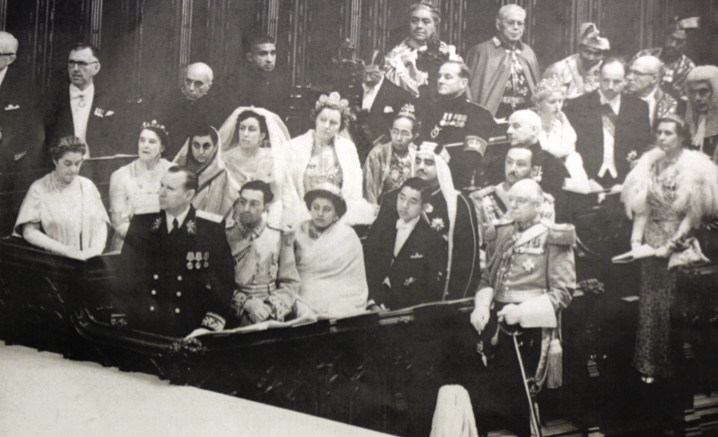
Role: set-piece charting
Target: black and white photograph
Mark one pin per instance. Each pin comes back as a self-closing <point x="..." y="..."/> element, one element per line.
<point x="440" y="218"/>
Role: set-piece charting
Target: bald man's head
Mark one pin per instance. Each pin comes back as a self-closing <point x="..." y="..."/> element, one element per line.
<point x="524" y="127"/>
<point x="525" y="200"/>
<point x="197" y="81"/>
<point x="8" y="49"/>
<point x="644" y="75"/>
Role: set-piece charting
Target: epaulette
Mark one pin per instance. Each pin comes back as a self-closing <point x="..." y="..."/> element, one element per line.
<point x="484" y="192"/>
<point x="488" y="232"/>
<point x="209" y="216"/>
<point x="561" y="234"/>
<point x="287" y="234"/>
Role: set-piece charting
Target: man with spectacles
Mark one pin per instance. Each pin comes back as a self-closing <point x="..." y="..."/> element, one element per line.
<point x="579" y="72"/>
<point x="21" y="131"/>
<point x="643" y="80"/>
<point x="380" y="101"/>
<point x="676" y="64"/>
<point x="85" y="110"/>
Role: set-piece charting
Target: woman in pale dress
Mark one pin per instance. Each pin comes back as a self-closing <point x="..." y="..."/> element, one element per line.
<point x="557" y="136"/>
<point x="329" y="257"/>
<point x="322" y="155"/>
<point x="134" y="188"/>
<point x="62" y="211"/>
<point x="668" y="194"/>
<point x="253" y="143"/>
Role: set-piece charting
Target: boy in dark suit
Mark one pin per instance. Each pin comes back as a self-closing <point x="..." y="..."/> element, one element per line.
<point x="406" y="264"/>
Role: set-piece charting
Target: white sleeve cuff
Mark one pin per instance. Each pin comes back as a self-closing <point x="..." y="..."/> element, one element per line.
<point x="538" y="313"/>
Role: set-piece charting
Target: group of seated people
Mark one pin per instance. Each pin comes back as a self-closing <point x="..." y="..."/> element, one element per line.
<point x="246" y="224"/>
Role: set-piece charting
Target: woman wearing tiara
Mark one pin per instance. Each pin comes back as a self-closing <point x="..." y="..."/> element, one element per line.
<point x="62" y="211"/>
<point x="253" y="143"/>
<point x="320" y="156"/>
<point x="401" y="68"/>
<point x="390" y="164"/>
<point x="134" y="188"/>
<point x="557" y="136"/>
<point x="668" y="194"/>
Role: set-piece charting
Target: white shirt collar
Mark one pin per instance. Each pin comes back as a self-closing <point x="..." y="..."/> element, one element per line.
<point x="180" y="218"/>
<point x="401" y="224"/>
<point x="76" y="92"/>
<point x="3" y="73"/>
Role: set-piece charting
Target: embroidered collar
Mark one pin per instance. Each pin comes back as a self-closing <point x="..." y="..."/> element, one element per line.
<point x="254" y="231"/>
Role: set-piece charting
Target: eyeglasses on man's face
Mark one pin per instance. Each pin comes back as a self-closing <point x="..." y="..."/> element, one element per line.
<point x="80" y="64"/>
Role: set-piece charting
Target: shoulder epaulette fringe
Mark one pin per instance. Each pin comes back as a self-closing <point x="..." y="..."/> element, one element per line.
<point x="214" y="218"/>
<point x="563" y="234"/>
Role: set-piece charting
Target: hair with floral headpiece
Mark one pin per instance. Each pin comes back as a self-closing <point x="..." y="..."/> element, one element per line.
<point x="407" y="111"/>
<point x="548" y="86"/>
<point x="332" y="101"/>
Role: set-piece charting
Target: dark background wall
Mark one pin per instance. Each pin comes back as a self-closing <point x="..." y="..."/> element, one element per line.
<point x="145" y="43"/>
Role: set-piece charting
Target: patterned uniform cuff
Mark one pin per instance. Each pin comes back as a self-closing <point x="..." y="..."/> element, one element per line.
<point x="213" y="321"/>
<point x="238" y="301"/>
<point x="279" y="308"/>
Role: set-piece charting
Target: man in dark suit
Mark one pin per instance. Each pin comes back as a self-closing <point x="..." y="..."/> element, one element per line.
<point x="85" y="110"/>
<point x="259" y="82"/>
<point x="21" y="131"/>
<point x="193" y="108"/>
<point x="613" y="128"/>
<point x="176" y="264"/>
<point x="405" y="263"/>
<point x="381" y="101"/>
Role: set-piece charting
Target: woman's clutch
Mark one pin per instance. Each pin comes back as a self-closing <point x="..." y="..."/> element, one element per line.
<point x="643" y="251"/>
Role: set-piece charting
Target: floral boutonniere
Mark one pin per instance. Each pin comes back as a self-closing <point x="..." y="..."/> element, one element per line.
<point x="437" y="224"/>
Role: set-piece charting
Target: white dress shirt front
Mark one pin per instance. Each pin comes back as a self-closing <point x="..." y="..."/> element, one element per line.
<point x="403" y="230"/>
<point x="81" y="105"/>
<point x="370" y="95"/>
<point x="609" y="162"/>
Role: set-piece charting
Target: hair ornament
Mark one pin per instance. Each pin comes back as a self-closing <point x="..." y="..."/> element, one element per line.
<point x="407" y="111"/>
<point x="333" y="100"/>
<point x="156" y="125"/>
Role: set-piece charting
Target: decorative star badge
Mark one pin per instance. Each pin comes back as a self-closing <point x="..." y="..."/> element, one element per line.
<point x="437" y="224"/>
<point x="529" y="265"/>
<point x="157" y="223"/>
<point x="191" y="227"/>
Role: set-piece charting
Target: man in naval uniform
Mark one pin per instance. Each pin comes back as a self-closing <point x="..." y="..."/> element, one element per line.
<point x="177" y="265"/>
<point x="265" y="273"/>
<point x="530" y="277"/>
<point x="458" y="125"/>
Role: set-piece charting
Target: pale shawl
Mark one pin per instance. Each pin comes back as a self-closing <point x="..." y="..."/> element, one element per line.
<point x="271" y="162"/>
<point x="560" y="141"/>
<point x="72" y="216"/>
<point x="331" y="269"/>
<point x="359" y="211"/>
<point x="696" y="185"/>
<point x="217" y="189"/>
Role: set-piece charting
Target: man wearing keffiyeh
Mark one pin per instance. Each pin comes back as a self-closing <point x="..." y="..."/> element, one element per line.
<point x="448" y="213"/>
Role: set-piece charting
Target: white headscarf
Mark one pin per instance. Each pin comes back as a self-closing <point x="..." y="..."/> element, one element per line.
<point x="446" y="185"/>
<point x="278" y="132"/>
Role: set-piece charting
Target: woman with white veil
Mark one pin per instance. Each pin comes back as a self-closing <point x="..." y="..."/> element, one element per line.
<point x="253" y="142"/>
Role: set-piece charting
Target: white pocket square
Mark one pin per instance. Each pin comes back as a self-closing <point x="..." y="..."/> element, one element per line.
<point x="417" y="256"/>
<point x="388" y="109"/>
<point x="12" y="107"/>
